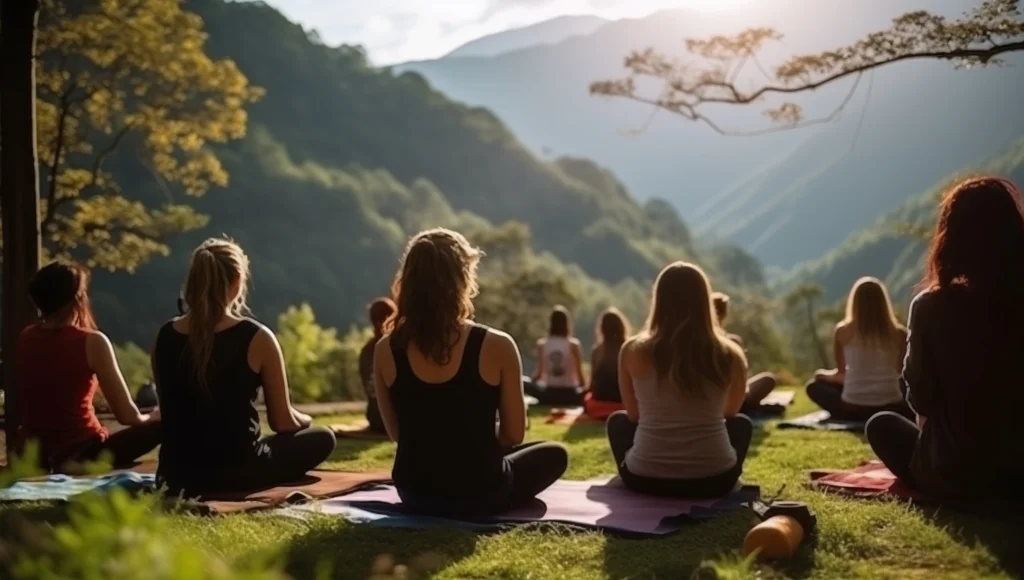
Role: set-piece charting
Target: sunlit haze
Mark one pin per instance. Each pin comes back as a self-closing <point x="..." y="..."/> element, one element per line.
<point x="395" y="31"/>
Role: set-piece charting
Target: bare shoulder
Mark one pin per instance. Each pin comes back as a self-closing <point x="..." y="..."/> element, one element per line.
<point x="500" y="339"/>
<point x="844" y="331"/>
<point x="382" y="345"/>
<point x="576" y="342"/>
<point x="97" y="339"/>
<point x="736" y="354"/>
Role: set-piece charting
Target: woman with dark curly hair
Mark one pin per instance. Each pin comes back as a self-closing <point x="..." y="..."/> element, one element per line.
<point x="440" y="380"/>
<point x="965" y="339"/>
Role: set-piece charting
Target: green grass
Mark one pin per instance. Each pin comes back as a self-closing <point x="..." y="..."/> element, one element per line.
<point x="855" y="539"/>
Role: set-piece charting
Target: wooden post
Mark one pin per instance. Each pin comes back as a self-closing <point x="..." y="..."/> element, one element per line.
<point x="19" y="186"/>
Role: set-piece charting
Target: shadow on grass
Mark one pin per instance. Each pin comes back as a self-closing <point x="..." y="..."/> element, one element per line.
<point x="359" y="552"/>
<point x="998" y="529"/>
<point x="352" y="449"/>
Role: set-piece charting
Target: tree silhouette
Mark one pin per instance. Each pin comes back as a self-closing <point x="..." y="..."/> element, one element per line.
<point x="806" y="296"/>
<point x="977" y="38"/>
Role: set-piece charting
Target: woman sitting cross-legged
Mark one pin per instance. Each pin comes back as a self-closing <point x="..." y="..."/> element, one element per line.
<point x="683" y="382"/>
<point x="961" y="365"/>
<point x="209" y="366"/>
<point x="604" y="397"/>
<point x="760" y="385"/>
<point x="558" y="378"/>
<point x="869" y="346"/>
<point x="60" y="363"/>
<point x="440" y="381"/>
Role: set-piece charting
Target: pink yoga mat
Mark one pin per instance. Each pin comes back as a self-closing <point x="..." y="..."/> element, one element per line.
<point x="602" y="503"/>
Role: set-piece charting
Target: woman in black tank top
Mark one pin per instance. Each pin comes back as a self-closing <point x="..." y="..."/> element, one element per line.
<point x="209" y="366"/>
<point x="440" y="380"/>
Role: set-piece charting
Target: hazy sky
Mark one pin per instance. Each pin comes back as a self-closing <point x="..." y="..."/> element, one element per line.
<point x="401" y="30"/>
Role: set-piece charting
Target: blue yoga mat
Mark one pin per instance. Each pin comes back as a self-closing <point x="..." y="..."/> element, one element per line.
<point x="64" y="487"/>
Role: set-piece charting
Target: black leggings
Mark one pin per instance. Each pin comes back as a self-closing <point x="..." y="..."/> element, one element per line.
<point x="564" y="396"/>
<point x="621" y="432"/>
<point x="533" y="467"/>
<point x="829" y="396"/>
<point x="893" y="438"/>
<point x="124" y="447"/>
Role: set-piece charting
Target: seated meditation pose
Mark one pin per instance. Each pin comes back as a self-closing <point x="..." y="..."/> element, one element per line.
<point x="558" y="378"/>
<point x="760" y="385"/>
<point x="440" y="381"/>
<point x="869" y="346"/>
<point x="380" y="310"/>
<point x="603" y="396"/>
<point x="965" y="340"/>
<point x="683" y="382"/>
<point x="209" y="365"/>
<point x="61" y="360"/>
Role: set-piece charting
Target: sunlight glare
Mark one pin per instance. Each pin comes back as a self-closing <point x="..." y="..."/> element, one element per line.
<point x="700" y="5"/>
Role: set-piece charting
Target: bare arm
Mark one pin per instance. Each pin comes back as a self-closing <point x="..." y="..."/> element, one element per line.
<point x="511" y="410"/>
<point x="626" y="356"/>
<point x="384" y="373"/>
<point x="737" y="384"/>
<point x="266" y="353"/>
<point x="577" y="355"/>
<point x="838" y="374"/>
<point x="101" y="358"/>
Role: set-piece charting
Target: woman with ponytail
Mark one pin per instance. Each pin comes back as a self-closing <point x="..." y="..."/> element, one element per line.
<point x="441" y="378"/>
<point x="60" y="363"/>
<point x="603" y="397"/>
<point x="209" y="366"/>
<point x="683" y="383"/>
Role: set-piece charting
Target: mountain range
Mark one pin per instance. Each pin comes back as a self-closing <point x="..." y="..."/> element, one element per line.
<point x="787" y="197"/>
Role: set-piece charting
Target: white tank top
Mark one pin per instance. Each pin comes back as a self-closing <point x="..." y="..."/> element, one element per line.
<point x="872" y="378"/>
<point x="559" y="368"/>
<point x="681" y="435"/>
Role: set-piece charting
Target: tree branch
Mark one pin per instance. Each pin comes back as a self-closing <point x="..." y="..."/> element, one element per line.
<point x="51" y="196"/>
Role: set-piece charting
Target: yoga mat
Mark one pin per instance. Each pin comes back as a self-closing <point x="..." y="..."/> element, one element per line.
<point x="571" y="416"/>
<point x="871" y="479"/>
<point x="64" y="487"/>
<point x="359" y="430"/>
<point x="822" y="421"/>
<point x="596" y="504"/>
<point x="316" y="485"/>
<point x="774" y="405"/>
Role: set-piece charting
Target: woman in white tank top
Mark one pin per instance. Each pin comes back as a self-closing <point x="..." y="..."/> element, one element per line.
<point x="869" y="347"/>
<point x="558" y="378"/>
<point x="682" y="382"/>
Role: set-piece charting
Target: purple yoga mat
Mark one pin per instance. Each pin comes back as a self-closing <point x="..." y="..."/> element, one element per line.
<point x="604" y="504"/>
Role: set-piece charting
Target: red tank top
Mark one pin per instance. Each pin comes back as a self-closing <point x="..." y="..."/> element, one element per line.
<point x="57" y="389"/>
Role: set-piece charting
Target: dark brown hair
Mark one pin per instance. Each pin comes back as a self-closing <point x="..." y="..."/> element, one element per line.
<point x="559" y="323"/>
<point x="612" y="331"/>
<point x="379" y="311"/>
<point x="683" y="338"/>
<point x="433" y="292"/>
<point x="978" y="243"/>
<point x="60" y="291"/>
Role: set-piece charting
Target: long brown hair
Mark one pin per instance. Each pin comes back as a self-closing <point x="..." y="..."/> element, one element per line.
<point x="871" y="314"/>
<point x="978" y="243"/>
<point x="560" y="324"/>
<point x="217" y="264"/>
<point x="60" y="291"/>
<point x="682" y="334"/>
<point x="612" y="331"/>
<point x="433" y="292"/>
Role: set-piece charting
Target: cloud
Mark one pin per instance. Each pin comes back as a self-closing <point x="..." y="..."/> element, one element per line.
<point x="495" y="7"/>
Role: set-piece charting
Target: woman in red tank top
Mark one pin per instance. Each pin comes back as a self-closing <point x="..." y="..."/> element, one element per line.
<point x="60" y="362"/>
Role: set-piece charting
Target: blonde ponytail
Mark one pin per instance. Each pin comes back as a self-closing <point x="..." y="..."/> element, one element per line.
<point x="216" y="265"/>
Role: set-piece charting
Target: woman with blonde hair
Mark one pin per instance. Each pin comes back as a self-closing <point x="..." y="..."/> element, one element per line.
<point x="209" y="365"/>
<point x="603" y="396"/>
<point x="683" y="382"/>
<point x="869" y="346"/>
<point x="57" y="399"/>
<point x="558" y="378"/>
<point x="965" y="340"/>
<point x="441" y="379"/>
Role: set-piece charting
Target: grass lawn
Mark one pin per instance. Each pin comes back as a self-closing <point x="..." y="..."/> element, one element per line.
<point x="856" y="539"/>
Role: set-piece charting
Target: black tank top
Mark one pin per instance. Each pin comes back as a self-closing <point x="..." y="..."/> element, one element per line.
<point x="207" y="430"/>
<point x="606" y="381"/>
<point x="447" y="443"/>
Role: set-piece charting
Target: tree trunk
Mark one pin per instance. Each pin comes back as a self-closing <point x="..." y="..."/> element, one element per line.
<point x="19" y="186"/>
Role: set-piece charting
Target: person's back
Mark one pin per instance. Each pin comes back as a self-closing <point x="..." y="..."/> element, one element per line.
<point x="965" y="381"/>
<point x="682" y="434"/>
<point x="872" y="376"/>
<point x="605" y="376"/>
<point x="559" y="369"/>
<point x="456" y="416"/>
<point x="57" y="399"/>
<point x="208" y="428"/>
